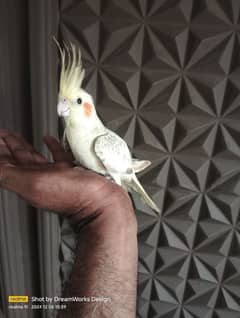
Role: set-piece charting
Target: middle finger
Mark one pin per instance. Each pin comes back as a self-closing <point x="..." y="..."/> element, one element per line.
<point x="22" y="151"/>
<point x="5" y="153"/>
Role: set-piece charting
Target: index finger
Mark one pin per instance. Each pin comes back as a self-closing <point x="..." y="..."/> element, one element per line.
<point x="19" y="148"/>
<point x="22" y="151"/>
<point x="58" y="153"/>
<point x="5" y="153"/>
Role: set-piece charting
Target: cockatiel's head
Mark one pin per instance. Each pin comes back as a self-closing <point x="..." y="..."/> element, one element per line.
<point x="74" y="103"/>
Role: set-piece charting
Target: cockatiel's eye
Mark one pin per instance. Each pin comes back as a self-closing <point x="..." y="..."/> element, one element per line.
<point x="79" y="101"/>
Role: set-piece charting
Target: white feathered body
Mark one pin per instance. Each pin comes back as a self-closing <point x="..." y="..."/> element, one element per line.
<point x="86" y="145"/>
<point x="97" y="148"/>
<point x="81" y="142"/>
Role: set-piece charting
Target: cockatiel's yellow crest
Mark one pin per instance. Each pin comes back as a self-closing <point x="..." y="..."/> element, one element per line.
<point x="93" y="145"/>
<point x="72" y="73"/>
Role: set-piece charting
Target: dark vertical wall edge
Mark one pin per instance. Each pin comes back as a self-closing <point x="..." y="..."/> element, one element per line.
<point x="43" y="24"/>
<point x="18" y="239"/>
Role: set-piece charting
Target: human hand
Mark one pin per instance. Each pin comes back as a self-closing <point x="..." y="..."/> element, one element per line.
<point x="55" y="186"/>
<point x="82" y="195"/>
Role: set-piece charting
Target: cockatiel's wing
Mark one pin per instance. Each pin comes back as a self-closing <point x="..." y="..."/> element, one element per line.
<point x="122" y="161"/>
<point x="114" y="154"/>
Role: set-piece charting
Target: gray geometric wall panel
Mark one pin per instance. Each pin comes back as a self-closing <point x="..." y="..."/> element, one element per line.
<point x="166" y="76"/>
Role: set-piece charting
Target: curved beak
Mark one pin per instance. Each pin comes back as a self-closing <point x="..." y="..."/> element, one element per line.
<point x="63" y="109"/>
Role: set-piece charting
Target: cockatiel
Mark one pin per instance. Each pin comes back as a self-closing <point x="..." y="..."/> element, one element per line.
<point x="93" y="145"/>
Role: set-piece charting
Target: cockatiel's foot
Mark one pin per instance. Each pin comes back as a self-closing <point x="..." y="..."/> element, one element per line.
<point x="109" y="178"/>
<point x="78" y="167"/>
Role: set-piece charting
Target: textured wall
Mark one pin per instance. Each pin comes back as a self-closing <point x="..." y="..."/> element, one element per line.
<point x="166" y="77"/>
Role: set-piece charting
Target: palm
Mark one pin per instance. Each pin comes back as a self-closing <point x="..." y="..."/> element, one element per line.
<point x="52" y="185"/>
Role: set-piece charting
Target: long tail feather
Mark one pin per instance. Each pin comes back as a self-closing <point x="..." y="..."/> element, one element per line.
<point x="135" y="185"/>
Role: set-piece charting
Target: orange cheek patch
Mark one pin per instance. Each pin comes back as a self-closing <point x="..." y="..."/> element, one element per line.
<point x="87" y="109"/>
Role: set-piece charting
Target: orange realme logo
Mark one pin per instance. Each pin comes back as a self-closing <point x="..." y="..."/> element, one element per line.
<point x="18" y="299"/>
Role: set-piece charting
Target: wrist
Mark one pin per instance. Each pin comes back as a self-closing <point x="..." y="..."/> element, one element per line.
<point x="106" y="263"/>
<point x="120" y="212"/>
<point x="115" y="210"/>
